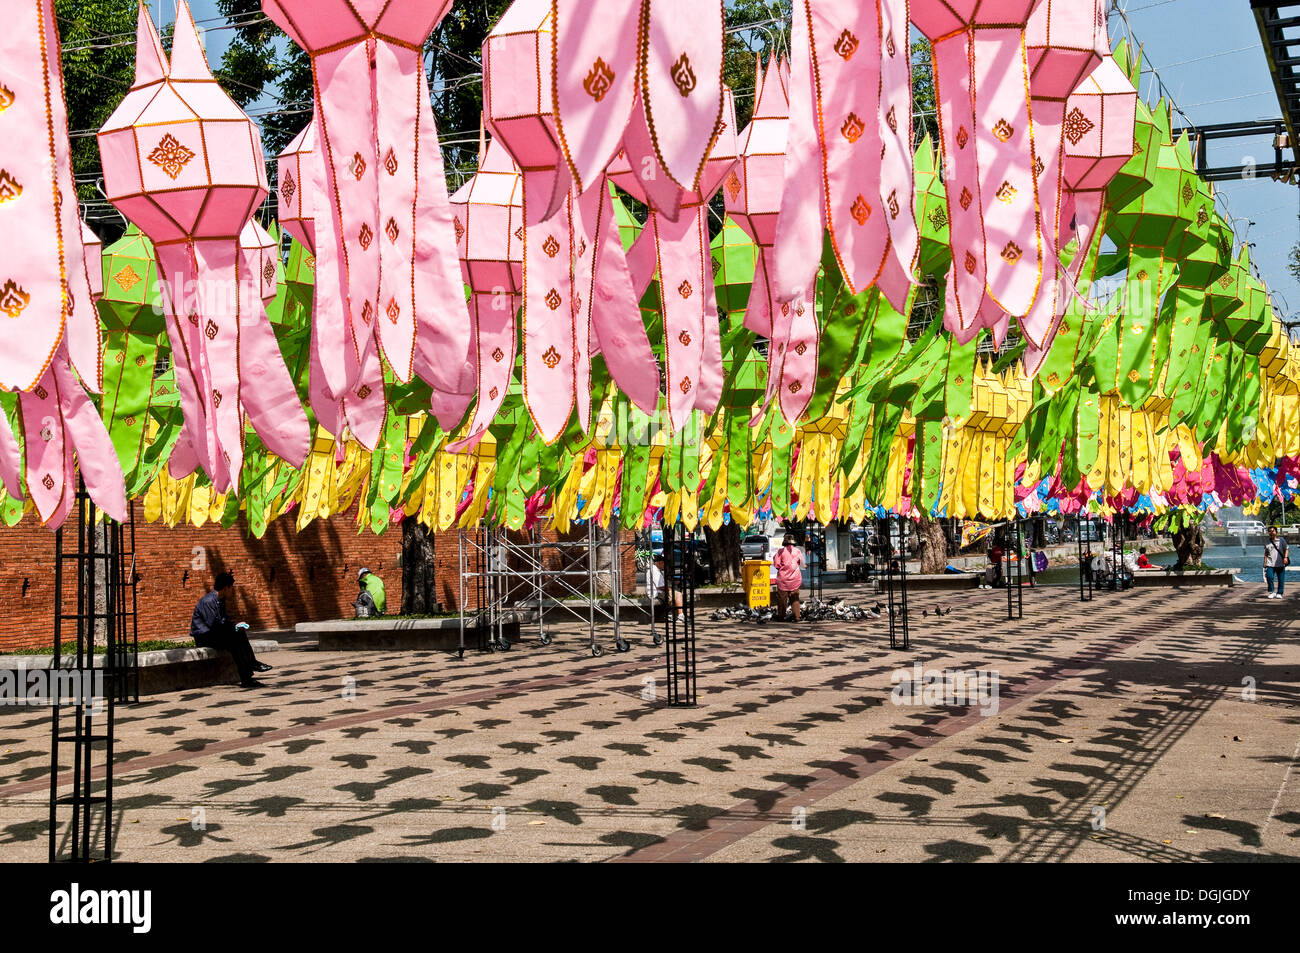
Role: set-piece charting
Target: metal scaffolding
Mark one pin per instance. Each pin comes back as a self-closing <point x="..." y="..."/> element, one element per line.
<point x="507" y="574"/>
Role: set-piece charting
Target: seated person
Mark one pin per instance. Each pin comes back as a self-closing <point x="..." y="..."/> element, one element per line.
<point x="1143" y="562"/>
<point x="372" y="586"/>
<point x="211" y="628"/>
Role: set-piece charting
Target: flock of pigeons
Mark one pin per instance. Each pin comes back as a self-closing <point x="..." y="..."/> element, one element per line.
<point x="817" y="610"/>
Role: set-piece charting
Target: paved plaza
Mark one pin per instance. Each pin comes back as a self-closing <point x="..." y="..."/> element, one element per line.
<point x="1153" y="725"/>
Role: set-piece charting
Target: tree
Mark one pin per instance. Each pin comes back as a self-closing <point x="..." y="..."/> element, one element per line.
<point x="419" y="582"/>
<point x="1293" y="263"/>
<point x="724" y="551"/>
<point x="933" y="543"/>
<point x="262" y="61"/>
<point x="98" y="59"/>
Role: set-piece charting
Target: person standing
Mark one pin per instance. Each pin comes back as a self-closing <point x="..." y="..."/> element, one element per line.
<point x="788" y="563"/>
<point x="1276" y="559"/>
<point x="211" y="628"/>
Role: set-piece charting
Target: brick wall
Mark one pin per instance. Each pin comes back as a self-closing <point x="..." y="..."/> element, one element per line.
<point x="282" y="579"/>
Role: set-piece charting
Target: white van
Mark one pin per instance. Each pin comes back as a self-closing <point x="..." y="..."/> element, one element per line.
<point x="1248" y="527"/>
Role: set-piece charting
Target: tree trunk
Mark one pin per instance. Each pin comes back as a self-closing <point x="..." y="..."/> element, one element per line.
<point x="419" y="589"/>
<point x="1190" y="545"/>
<point x="606" y="542"/>
<point x="724" y="552"/>
<point x="934" y="545"/>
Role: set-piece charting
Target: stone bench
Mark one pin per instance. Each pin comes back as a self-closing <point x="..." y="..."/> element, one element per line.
<point x="403" y="635"/>
<point x="1146" y="578"/>
<point x="162" y="670"/>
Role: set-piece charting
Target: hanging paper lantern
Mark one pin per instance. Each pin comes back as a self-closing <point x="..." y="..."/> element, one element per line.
<point x="295" y="195"/>
<point x="1096" y="135"/>
<point x="132" y="314"/>
<point x="386" y="193"/>
<point x="575" y="273"/>
<point x="270" y="402"/>
<point x="44" y="285"/>
<point x="979" y="54"/>
<point x="183" y="162"/>
<point x="677" y="248"/>
<point x="848" y="167"/>
<point x="487" y="211"/>
<point x="753" y="200"/>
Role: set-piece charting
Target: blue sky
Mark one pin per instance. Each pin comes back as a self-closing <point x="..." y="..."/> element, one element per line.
<point x="1210" y="58"/>
<point x="1208" y="55"/>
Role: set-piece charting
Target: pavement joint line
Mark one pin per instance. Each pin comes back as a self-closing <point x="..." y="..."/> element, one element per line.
<point x="1286" y="776"/>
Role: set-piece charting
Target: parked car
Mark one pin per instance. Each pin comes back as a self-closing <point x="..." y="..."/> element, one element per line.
<point x="756" y="547"/>
<point x="1092" y="531"/>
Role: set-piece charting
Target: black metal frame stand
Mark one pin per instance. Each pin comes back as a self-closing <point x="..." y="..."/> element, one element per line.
<point x="1016" y="601"/>
<point x="116" y="620"/>
<point x="679" y="627"/>
<point x="1086" y="579"/>
<point x="815" y="546"/>
<point x="894" y="571"/>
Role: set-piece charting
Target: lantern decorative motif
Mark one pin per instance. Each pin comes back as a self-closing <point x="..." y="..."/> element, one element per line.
<point x="386" y="194"/>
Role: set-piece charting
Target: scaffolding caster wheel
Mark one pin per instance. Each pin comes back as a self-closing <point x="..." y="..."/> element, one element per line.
<point x="504" y="644"/>
<point x="544" y="639"/>
<point x="460" y="653"/>
<point x="659" y="639"/>
<point x="621" y="644"/>
<point x="597" y="651"/>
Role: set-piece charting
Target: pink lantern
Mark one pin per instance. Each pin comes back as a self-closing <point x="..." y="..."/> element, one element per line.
<point x="753" y="196"/>
<point x="46" y="291"/>
<point x="1096" y="141"/>
<point x="92" y="253"/>
<point x="488" y="210"/>
<point x="295" y="172"/>
<point x="576" y="279"/>
<point x="1061" y="44"/>
<point x="850" y="145"/>
<point x="44" y="286"/>
<point x="678" y="249"/>
<point x="184" y="163"/>
<point x="387" y="196"/>
<point x="270" y="403"/>
<point x="997" y="242"/>
<point x="1064" y="41"/>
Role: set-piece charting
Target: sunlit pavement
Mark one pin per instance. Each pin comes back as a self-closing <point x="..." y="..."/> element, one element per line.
<point x="1150" y="725"/>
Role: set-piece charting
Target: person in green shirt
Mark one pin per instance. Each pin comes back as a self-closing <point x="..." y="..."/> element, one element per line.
<point x="374" y="586"/>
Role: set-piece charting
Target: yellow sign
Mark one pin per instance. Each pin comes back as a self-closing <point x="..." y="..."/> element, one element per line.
<point x="757" y="577"/>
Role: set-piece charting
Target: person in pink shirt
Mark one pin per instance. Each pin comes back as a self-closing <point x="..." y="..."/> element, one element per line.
<point x="788" y="562"/>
